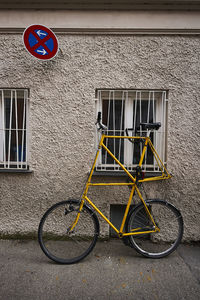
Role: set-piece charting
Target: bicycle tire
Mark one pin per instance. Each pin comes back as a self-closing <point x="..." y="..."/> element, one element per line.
<point x="57" y="243"/>
<point x="159" y="244"/>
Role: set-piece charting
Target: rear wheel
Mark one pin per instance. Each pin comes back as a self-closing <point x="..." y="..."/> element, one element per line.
<point x="169" y="221"/>
<point x="58" y="242"/>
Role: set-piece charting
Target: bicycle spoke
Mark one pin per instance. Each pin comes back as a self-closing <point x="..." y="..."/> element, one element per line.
<point x="170" y="224"/>
<point x="68" y="247"/>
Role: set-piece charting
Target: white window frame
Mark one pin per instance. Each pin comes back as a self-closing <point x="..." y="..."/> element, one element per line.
<point x="160" y="101"/>
<point x="5" y="159"/>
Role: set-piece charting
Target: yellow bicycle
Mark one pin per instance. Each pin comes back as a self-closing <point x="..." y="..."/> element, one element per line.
<point x="69" y="230"/>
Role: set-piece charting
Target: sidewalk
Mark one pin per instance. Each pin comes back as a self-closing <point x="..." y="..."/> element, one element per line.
<point x="111" y="271"/>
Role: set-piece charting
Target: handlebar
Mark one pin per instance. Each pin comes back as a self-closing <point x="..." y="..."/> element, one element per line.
<point x="145" y="126"/>
<point x="98" y="122"/>
<point x="99" y="118"/>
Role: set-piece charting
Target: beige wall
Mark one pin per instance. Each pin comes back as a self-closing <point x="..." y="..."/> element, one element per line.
<point x="62" y="114"/>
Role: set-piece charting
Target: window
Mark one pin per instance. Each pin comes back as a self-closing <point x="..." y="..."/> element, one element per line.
<point x="123" y="109"/>
<point x="13" y="129"/>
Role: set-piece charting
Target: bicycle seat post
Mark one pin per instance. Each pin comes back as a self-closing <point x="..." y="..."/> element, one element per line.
<point x="149" y="132"/>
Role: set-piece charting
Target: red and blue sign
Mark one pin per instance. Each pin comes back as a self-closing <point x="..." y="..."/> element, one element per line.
<point x="40" y="41"/>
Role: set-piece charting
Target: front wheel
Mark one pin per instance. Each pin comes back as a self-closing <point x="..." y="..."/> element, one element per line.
<point x="169" y="221"/>
<point x="61" y="244"/>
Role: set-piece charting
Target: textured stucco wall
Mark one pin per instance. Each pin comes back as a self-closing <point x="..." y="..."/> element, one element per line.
<point x="62" y="113"/>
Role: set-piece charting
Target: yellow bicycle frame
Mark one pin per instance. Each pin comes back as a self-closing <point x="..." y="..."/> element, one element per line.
<point x="132" y="183"/>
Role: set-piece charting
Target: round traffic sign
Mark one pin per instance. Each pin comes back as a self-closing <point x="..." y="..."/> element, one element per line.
<point x="40" y="41"/>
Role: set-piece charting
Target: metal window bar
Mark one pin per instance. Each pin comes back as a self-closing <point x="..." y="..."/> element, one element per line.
<point x="140" y="103"/>
<point x="13" y="127"/>
<point x="153" y="100"/>
<point x="108" y="122"/>
<point x="3" y="149"/>
<point x="155" y="132"/>
<point x="24" y="131"/>
<point x="164" y="125"/>
<point x="148" y="117"/>
<point x="134" y="125"/>
<point x="121" y="126"/>
<point x="163" y="117"/>
<point x="114" y="123"/>
<point x="10" y="128"/>
<point x="16" y="130"/>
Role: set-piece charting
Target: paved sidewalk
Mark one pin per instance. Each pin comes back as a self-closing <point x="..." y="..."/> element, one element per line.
<point x="111" y="271"/>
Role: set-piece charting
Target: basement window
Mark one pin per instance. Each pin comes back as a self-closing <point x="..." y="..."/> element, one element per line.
<point x="116" y="215"/>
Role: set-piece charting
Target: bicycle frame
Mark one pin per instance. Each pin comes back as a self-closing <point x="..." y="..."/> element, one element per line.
<point x="133" y="184"/>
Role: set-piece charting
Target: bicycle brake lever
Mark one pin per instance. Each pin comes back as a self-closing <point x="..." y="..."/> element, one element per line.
<point x="102" y="126"/>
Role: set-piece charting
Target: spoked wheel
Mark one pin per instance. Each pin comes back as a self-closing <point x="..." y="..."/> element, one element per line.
<point x="169" y="221"/>
<point x="58" y="242"/>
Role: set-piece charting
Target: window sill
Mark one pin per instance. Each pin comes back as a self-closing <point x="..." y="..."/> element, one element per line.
<point x="123" y="174"/>
<point x="17" y="171"/>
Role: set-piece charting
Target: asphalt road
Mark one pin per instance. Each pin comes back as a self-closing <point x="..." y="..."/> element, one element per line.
<point x="111" y="271"/>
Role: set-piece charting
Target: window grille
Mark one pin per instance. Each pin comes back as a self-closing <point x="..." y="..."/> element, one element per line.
<point x="13" y="129"/>
<point x="123" y="109"/>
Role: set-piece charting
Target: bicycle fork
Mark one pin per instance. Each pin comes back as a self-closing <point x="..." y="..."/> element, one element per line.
<point x="71" y="227"/>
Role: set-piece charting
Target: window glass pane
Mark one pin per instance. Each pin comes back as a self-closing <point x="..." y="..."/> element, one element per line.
<point x="143" y="112"/>
<point x="113" y="118"/>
